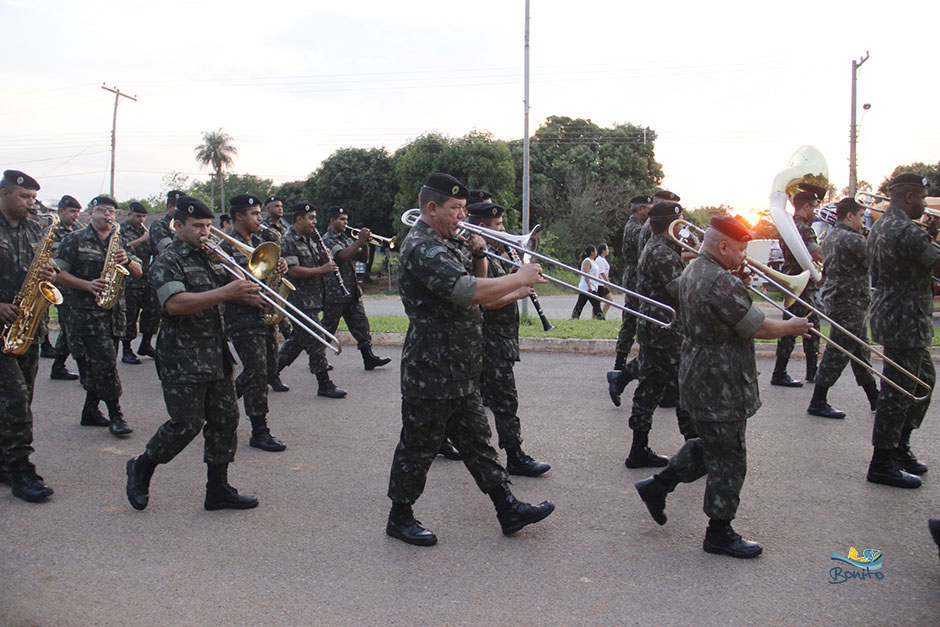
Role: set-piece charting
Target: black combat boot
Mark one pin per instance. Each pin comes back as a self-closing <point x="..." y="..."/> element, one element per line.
<point x="722" y="539"/>
<point x="621" y="360"/>
<point x="885" y="471"/>
<point x="653" y="491"/>
<point x="327" y="388"/>
<point x="518" y="463"/>
<point x="904" y="458"/>
<point x="934" y="525"/>
<point x="819" y="406"/>
<point x="220" y="495"/>
<point x="447" y="450"/>
<point x="780" y="376"/>
<point x="277" y="386"/>
<point x="616" y="382"/>
<point x="871" y="391"/>
<point x="641" y="455"/>
<point x="261" y="436"/>
<point x="139" y="472"/>
<point x="46" y="349"/>
<point x="5" y="473"/>
<point x="26" y="484"/>
<point x="117" y="425"/>
<point x="145" y="349"/>
<point x="811" y="363"/>
<point x="128" y="356"/>
<point x="370" y="361"/>
<point x="513" y="515"/>
<point x="91" y="415"/>
<point x="402" y="525"/>
<point x="59" y="371"/>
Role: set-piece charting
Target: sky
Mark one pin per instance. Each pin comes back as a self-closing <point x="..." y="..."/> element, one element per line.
<point x="731" y="88"/>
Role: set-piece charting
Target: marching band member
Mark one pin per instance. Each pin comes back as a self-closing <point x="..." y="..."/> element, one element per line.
<point x="140" y="300"/>
<point x="69" y="209"/>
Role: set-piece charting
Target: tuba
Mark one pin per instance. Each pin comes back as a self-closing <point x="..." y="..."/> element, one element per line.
<point x="33" y="299"/>
<point x="807" y="165"/>
<point x="113" y="273"/>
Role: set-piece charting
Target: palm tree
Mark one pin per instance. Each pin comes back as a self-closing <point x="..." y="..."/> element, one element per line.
<point x="217" y="151"/>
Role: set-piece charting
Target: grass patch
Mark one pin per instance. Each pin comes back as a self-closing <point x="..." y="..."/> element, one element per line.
<point x="528" y="327"/>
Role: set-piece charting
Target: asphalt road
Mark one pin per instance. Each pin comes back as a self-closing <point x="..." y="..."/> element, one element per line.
<point x="315" y="551"/>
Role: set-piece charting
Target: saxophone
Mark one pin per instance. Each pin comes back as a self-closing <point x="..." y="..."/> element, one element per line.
<point x="33" y="299"/>
<point x="113" y="273"/>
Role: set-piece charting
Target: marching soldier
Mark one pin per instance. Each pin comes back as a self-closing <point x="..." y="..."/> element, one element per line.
<point x="253" y="339"/>
<point x="137" y="292"/>
<point x="19" y="238"/>
<point x="442" y="361"/>
<point x="845" y="294"/>
<point x="274" y="220"/>
<point x="95" y="331"/>
<point x="225" y="223"/>
<point x="306" y="270"/>
<point x="719" y="370"/>
<point x="804" y="203"/>
<point x="69" y="209"/>
<point x="161" y="231"/>
<point x="194" y="363"/>
<point x="902" y="257"/>
<point x="500" y="352"/>
<point x="346" y="251"/>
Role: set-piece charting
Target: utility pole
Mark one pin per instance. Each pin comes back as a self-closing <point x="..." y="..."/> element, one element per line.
<point x="853" y="130"/>
<point x="117" y="96"/>
<point x="525" y="144"/>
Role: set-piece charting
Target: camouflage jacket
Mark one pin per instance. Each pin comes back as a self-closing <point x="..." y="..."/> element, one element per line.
<point x="717" y="371"/>
<point x="300" y="250"/>
<point x="658" y="276"/>
<point x="790" y="264"/>
<point x="82" y="254"/>
<point x="501" y="326"/>
<point x="900" y="256"/>
<point x="274" y="226"/>
<point x="337" y="242"/>
<point x="631" y="250"/>
<point x="243" y="320"/>
<point x="845" y="292"/>
<point x="443" y="352"/>
<point x="160" y="234"/>
<point x="60" y="233"/>
<point x="192" y="348"/>
<point x="17" y="247"/>
<point x="144" y="252"/>
<point x="646" y="231"/>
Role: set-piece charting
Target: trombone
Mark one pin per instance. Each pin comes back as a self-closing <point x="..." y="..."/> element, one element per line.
<point x="520" y="244"/>
<point x="262" y="261"/>
<point x="376" y="240"/>
<point x="869" y="200"/>
<point x="792" y="286"/>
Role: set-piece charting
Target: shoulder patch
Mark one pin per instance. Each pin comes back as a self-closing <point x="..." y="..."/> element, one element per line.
<point x="435" y="251"/>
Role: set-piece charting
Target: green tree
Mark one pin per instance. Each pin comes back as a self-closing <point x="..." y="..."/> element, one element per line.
<point x="931" y="172"/>
<point x="217" y="152"/>
<point x="360" y="180"/>
<point x="291" y="193"/>
<point x="238" y="184"/>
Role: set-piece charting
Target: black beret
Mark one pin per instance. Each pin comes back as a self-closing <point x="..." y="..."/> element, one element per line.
<point x="849" y="204"/>
<point x="666" y="195"/>
<point x="665" y="211"/>
<point x="477" y="195"/>
<point x="102" y="201"/>
<point x="223" y="218"/>
<point x="173" y="196"/>
<point x="21" y="179"/>
<point x="807" y="196"/>
<point x="447" y="185"/>
<point x="244" y="200"/>
<point x="68" y="202"/>
<point x="136" y="207"/>
<point x="732" y="227"/>
<point x="485" y="210"/>
<point x="301" y="208"/>
<point x="271" y="199"/>
<point x="907" y="178"/>
<point x="335" y="212"/>
<point x="189" y="207"/>
<point x="642" y="199"/>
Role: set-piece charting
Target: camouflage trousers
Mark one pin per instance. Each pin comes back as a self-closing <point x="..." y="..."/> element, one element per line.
<point x="719" y="451"/>
<point x="896" y="412"/>
<point x="627" y="326"/>
<point x="658" y="373"/>
<point x="17" y="376"/>
<point x="833" y="361"/>
<point x="786" y="343"/>
<point x="300" y="341"/>
<point x="498" y="390"/>
<point x="258" y="354"/>
<point x="62" y="342"/>
<point x="425" y="422"/>
<point x="355" y="316"/>
<point x="96" y="356"/>
<point x="210" y="406"/>
<point x="143" y="303"/>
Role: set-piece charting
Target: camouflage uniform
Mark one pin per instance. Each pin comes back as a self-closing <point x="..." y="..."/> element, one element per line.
<point x="901" y="256"/>
<point x="300" y="250"/>
<point x="646" y="232"/>
<point x="791" y="266"/>
<point x="254" y="341"/>
<point x="441" y="363"/>
<point x="631" y="256"/>
<point x="500" y="353"/>
<point x="193" y="361"/>
<point x="658" y="273"/>
<point x="718" y="369"/>
<point x="845" y="295"/>
<point x="160" y="234"/>
<point x="62" y="346"/>
<point x="93" y="330"/>
<point x="338" y="305"/>
<point x="139" y="298"/>
<point x="17" y="372"/>
<point x="275" y="225"/>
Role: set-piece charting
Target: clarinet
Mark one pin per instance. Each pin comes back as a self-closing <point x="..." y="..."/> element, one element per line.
<point x="329" y="256"/>
<point x="546" y="325"/>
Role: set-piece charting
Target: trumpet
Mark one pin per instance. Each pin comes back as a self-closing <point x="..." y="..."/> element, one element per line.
<point x="792" y="287"/>
<point x="520" y="243"/>
<point x="262" y="262"/>
<point x="376" y="240"/>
